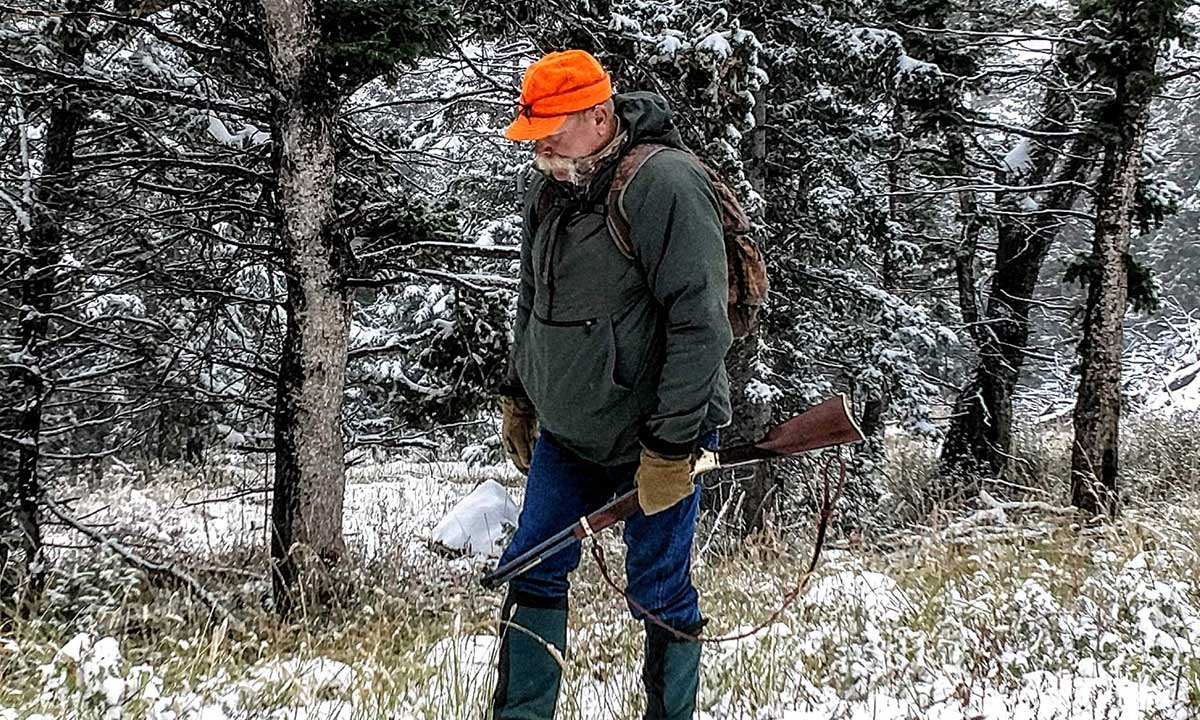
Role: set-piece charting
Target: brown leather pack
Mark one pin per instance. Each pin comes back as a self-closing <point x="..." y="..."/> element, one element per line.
<point x="747" y="268"/>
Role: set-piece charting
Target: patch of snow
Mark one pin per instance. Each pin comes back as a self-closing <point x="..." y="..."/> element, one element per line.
<point x="390" y="507"/>
<point x="906" y="65"/>
<point x="113" y="689"/>
<point x="1017" y="160"/>
<point x="480" y="524"/>
<point x="470" y="654"/>
<point x="218" y="131"/>
<point x="309" y="678"/>
<point x="760" y="393"/>
<point x="668" y="47"/>
<point x="75" y="647"/>
<point x="249" y="135"/>
<point x="1180" y="391"/>
<point x="717" y="44"/>
<point x="624" y="24"/>
<point x="875" y="594"/>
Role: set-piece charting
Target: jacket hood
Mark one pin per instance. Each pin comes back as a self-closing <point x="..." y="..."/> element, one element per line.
<point x="647" y="117"/>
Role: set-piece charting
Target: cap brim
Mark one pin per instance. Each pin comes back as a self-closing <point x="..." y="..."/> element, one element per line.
<point x="534" y="128"/>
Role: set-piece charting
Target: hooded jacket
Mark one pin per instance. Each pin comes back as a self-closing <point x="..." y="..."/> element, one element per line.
<point x="618" y="353"/>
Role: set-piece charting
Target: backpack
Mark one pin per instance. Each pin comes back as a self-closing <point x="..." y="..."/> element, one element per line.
<point x="747" y="269"/>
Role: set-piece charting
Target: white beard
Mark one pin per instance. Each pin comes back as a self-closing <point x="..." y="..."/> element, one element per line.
<point x="577" y="171"/>
<point x="560" y="168"/>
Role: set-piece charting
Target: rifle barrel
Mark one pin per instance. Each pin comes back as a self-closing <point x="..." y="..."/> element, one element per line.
<point x="530" y="559"/>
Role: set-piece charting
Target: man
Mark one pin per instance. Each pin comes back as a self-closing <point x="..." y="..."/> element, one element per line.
<point x="620" y="361"/>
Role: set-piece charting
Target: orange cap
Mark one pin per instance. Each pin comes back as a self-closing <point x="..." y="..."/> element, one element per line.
<point x="556" y="86"/>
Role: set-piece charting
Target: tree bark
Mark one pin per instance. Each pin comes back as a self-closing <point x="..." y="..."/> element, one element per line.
<point x="1095" y="458"/>
<point x="751" y="418"/>
<point x="979" y="441"/>
<point x="870" y="455"/>
<point x="309" y="483"/>
<point x="25" y="386"/>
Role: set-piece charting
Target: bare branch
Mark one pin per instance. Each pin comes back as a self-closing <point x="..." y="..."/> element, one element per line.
<point x="161" y="571"/>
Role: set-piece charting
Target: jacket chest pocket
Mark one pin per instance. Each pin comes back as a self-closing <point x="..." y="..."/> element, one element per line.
<point x="581" y="273"/>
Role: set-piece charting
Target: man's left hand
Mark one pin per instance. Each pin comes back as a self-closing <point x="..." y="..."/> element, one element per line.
<point x="663" y="481"/>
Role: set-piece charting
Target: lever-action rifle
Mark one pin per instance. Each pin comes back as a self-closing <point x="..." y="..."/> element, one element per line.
<point x="821" y="426"/>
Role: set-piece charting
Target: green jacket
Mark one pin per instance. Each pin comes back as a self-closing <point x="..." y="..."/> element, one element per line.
<point x="617" y="353"/>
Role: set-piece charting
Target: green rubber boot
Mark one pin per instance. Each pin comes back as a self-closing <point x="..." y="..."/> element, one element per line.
<point x="671" y="674"/>
<point x="529" y="673"/>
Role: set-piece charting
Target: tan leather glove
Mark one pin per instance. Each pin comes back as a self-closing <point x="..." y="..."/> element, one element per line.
<point x="518" y="431"/>
<point x="663" y="481"/>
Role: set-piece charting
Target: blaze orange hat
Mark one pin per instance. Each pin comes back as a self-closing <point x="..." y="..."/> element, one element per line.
<point x="556" y="86"/>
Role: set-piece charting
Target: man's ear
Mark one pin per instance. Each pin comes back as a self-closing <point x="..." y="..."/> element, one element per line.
<point x="602" y="114"/>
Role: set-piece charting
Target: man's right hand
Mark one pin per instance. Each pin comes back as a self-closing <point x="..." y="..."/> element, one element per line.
<point x="518" y="431"/>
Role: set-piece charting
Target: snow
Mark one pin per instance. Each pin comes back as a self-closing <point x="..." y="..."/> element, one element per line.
<point x="115" y="304"/>
<point x="473" y="653"/>
<point x="1186" y="395"/>
<point x="391" y="508"/>
<point x="717" y="44"/>
<point x="624" y="24"/>
<point x="1041" y="696"/>
<point x="873" y="594"/>
<point x="1017" y="160"/>
<point x="249" y="134"/>
<point x="668" y="47"/>
<point x="480" y="524"/>
<point x="761" y="393"/>
<point x="307" y="678"/>
<point x="864" y="40"/>
<point x="860" y="644"/>
<point x="910" y="66"/>
<point x="313" y="671"/>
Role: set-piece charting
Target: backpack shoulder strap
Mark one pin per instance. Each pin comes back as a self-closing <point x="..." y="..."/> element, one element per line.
<point x="627" y="168"/>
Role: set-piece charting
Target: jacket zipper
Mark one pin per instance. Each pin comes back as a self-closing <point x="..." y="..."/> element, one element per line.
<point x="548" y="263"/>
<point x="585" y="324"/>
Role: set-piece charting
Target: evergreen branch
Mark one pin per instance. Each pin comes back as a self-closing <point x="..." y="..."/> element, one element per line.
<point x="165" y="35"/>
<point x="983" y="34"/>
<point x="127" y="89"/>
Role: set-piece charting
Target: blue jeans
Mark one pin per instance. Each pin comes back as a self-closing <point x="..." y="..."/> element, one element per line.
<point x="562" y="488"/>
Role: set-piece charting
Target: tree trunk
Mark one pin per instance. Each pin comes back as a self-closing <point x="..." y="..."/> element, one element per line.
<point x="751" y="417"/>
<point x="980" y="436"/>
<point x="26" y="390"/>
<point x="979" y="441"/>
<point x="309" y="483"/>
<point x="869" y="456"/>
<point x="751" y="420"/>
<point x="1094" y="456"/>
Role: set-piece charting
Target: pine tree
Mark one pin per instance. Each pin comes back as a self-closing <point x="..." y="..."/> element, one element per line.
<point x="1126" y="56"/>
<point x="319" y="53"/>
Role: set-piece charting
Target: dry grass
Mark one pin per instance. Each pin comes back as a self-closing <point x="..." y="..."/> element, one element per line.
<point x="927" y="616"/>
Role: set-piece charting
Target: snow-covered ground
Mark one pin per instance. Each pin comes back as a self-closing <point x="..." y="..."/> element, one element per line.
<point x="392" y="509"/>
<point x="1047" y="624"/>
<point x="888" y="668"/>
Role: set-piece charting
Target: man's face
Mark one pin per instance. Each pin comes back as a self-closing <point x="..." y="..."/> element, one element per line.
<point x="582" y="134"/>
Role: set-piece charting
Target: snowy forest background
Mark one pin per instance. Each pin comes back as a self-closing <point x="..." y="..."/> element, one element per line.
<point x="259" y="265"/>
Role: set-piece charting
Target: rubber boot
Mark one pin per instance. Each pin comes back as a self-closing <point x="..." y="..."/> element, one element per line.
<point x="671" y="674"/>
<point x="528" y="674"/>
